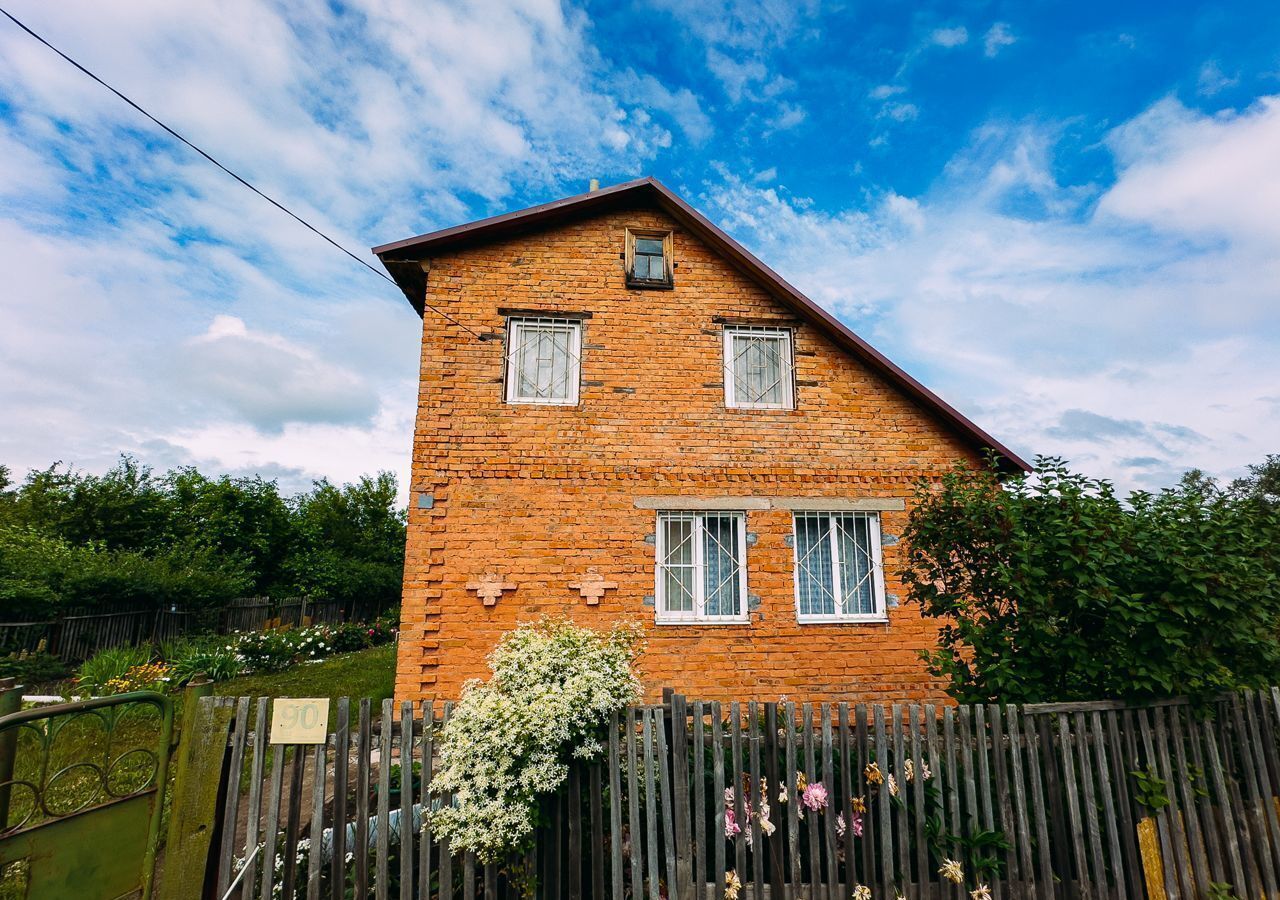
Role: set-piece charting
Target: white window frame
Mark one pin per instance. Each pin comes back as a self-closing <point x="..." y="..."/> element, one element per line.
<point x="788" y="362"/>
<point x="877" y="568"/>
<point x="682" y="617"/>
<point x="515" y="324"/>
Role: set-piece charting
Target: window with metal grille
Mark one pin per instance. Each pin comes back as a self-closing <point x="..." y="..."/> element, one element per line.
<point x="758" y="373"/>
<point x="543" y="361"/>
<point x="648" y="259"/>
<point x="839" y="576"/>
<point x="701" y="571"/>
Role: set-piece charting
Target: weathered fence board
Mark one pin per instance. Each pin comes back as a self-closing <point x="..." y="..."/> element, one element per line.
<point x="351" y="817"/>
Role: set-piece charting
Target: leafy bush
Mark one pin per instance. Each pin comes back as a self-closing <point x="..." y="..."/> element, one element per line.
<point x="1053" y="588"/>
<point x="131" y="537"/>
<point x="216" y="657"/>
<point x="510" y="739"/>
<point x="110" y="665"/>
<point x="348" y="637"/>
<point x="33" y="668"/>
<point x="265" y="651"/>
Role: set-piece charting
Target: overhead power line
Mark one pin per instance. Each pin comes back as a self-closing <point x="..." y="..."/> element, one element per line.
<point x="277" y="204"/>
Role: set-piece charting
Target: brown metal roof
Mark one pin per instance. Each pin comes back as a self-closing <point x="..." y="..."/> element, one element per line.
<point x="401" y="259"/>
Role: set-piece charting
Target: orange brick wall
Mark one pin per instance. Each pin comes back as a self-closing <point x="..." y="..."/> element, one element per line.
<point x="539" y="493"/>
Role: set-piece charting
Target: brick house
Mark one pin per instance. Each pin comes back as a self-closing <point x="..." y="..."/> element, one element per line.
<point x="623" y="414"/>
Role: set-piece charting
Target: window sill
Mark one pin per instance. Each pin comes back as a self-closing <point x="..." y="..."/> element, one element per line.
<point x="650" y="285"/>
<point x="704" y="620"/>
<point x="878" y="619"/>
<point x="568" y="403"/>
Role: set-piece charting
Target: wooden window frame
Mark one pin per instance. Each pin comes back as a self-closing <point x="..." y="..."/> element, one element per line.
<point x="668" y="259"/>
<point x="881" y="613"/>
<point x="696" y="616"/>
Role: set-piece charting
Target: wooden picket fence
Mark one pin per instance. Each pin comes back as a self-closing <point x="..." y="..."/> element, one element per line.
<point x="1099" y="800"/>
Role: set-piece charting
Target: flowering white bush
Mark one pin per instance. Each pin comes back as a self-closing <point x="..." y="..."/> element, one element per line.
<point x="510" y="739"/>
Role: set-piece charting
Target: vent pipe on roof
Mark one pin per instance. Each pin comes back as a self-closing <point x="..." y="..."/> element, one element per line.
<point x="595" y="184"/>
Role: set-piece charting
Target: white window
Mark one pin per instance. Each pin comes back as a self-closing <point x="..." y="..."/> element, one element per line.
<point x="839" y="575"/>
<point x="757" y="368"/>
<point x="543" y="361"/>
<point x="701" y="571"/>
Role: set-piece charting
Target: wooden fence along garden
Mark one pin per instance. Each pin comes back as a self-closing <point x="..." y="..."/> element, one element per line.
<point x="782" y="800"/>
<point x="79" y="635"/>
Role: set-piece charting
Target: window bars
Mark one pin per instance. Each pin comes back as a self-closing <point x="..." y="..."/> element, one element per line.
<point x="758" y="370"/>
<point x="701" y="575"/>
<point x="839" y="575"/>
<point x="543" y="360"/>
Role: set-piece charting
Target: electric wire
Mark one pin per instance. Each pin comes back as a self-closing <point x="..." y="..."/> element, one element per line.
<point x="280" y="206"/>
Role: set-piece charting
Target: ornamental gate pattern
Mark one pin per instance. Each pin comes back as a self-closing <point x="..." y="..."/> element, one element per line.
<point x="81" y="793"/>
<point x="1044" y="801"/>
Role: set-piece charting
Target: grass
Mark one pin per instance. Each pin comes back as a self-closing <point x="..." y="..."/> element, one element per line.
<point x="365" y="673"/>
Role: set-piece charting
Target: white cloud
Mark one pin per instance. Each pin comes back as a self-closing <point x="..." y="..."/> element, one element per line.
<point x="885" y="91"/>
<point x="900" y="112"/>
<point x="950" y="37"/>
<point x="788" y="116"/>
<point x="750" y="25"/>
<point x="374" y="121"/>
<point x="1048" y="311"/>
<point x="1203" y="176"/>
<point x="1213" y="80"/>
<point x="741" y="38"/>
<point x="682" y="105"/>
<point x="270" y="381"/>
<point x="998" y="35"/>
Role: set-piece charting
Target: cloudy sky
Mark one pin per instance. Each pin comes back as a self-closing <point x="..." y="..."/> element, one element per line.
<point x="1063" y="217"/>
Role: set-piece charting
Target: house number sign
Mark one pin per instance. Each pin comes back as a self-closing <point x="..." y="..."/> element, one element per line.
<point x="300" y="721"/>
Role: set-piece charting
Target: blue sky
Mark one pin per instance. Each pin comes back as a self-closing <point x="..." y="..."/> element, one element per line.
<point x="1062" y="217"/>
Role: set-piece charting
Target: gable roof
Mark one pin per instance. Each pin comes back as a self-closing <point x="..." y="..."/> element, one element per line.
<point x="402" y="258"/>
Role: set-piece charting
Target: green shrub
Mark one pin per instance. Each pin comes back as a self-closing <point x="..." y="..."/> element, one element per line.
<point x="33" y="668"/>
<point x="110" y="665"/>
<point x="1055" y="588"/>
<point x="216" y="657"/>
<point x="265" y="651"/>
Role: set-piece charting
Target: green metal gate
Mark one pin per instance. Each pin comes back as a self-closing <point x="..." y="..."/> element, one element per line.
<point x="81" y="795"/>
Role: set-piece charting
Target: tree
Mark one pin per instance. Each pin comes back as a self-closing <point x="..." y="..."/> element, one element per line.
<point x="1262" y="484"/>
<point x="1053" y="588"/>
<point x="350" y="541"/>
<point x="244" y="519"/>
<point x="131" y="538"/>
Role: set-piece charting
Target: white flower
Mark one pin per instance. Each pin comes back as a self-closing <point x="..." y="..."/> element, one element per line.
<point x="861" y="892"/>
<point x="982" y="893"/>
<point x="732" y="885"/>
<point x="952" y="870"/>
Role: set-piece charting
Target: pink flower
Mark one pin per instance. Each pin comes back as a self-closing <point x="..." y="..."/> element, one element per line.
<point x="814" y="796"/>
<point x="857" y="824"/>
<point x="840" y="826"/>
<point x="731" y="826"/>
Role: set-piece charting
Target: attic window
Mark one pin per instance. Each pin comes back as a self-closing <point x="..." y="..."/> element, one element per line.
<point x="648" y="256"/>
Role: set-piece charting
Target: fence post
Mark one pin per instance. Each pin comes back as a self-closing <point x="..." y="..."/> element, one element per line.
<point x="206" y="722"/>
<point x="10" y="702"/>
